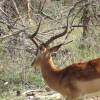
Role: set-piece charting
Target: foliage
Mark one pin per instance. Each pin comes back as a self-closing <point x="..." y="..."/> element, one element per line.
<point x="17" y="51"/>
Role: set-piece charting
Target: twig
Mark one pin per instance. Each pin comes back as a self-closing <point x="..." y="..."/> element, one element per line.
<point x="15" y="33"/>
<point x="17" y="11"/>
<point x="4" y="12"/>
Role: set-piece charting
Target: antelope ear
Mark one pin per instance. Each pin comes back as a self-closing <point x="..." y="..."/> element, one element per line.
<point x="55" y="48"/>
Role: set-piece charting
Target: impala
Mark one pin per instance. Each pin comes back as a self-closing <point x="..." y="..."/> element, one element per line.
<point x="73" y="80"/>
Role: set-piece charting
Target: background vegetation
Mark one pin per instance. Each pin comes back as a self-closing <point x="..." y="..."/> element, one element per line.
<point x="20" y="18"/>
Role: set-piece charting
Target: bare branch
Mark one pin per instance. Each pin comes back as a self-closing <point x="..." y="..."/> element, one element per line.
<point x="3" y="12"/>
<point x="29" y="9"/>
<point x="68" y="42"/>
<point x="17" y="11"/>
<point x="12" y="34"/>
<point x="43" y="5"/>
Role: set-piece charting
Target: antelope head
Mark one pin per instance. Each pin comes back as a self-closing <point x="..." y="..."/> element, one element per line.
<point x="45" y="54"/>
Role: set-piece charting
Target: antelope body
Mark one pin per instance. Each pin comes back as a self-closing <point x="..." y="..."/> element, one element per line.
<point x="72" y="81"/>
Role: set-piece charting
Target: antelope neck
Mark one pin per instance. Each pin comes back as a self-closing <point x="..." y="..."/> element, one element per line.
<point x="48" y="70"/>
<point x="47" y="65"/>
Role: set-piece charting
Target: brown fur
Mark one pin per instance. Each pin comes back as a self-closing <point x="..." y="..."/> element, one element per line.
<point x="83" y="71"/>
